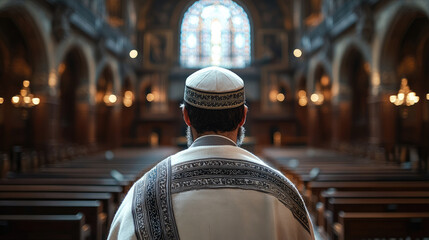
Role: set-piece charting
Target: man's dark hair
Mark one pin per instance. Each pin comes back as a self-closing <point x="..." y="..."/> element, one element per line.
<point x="207" y="120"/>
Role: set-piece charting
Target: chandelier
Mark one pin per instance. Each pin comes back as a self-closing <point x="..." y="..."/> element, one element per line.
<point x="25" y="98"/>
<point x="404" y="96"/>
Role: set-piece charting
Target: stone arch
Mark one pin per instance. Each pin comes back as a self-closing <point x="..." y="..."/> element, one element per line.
<point x="301" y="99"/>
<point x="399" y="58"/>
<point x="107" y="109"/>
<point x="73" y="85"/>
<point x="23" y="60"/>
<point x="353" y="96"/>
<point x="320" y="114"/>
<point x="129" y="106"/>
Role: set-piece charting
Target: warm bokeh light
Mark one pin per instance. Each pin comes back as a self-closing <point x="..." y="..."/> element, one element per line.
<point x="150" y="97"/>
<point x="15" y="99"/>
<point x="110" y="99"/>
<point x="324" y="80"/>
<point x="61" y="68"/>
<point x="134" y="53"/>
<point x="303" y="102"/>
<point x="273" y="95"/>
<point x="280" y="97"/>
<point x="317" y="98"/>
<point x="128" y="98"/>
<point x="27" y="99"/>
<point x="26" y="83"/>
<point x="36" y="101"/>
<point x="297" y="52"/>
<point x="1" y="100"/>
<point x="405" y="96"/>
<point x="427" y="96"/>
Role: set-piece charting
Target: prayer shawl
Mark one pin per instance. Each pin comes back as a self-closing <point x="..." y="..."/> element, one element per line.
<point x="213" y="190"/>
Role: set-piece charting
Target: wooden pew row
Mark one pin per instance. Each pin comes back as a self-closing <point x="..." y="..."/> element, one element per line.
<point x="124" y="185"/>
<point x="106" y="198"/>
<point x="115" y="191"/>
<point x="357" y="226"/>
<point x="92" y="210"/>
<point x="81" y="179"/>
<point x="126" y="177"/>
<point x="315" y="188"/>
<point x="335" y="206"/>
<point x="47" y="227"/>
<point x="327" y="195"/>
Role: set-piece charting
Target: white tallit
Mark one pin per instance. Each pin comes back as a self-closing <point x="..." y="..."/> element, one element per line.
<point x="213" y="190"/>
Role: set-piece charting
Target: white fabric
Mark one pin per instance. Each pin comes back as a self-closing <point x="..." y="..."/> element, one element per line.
<point x="214" y="79"/>
<point x="220" y="213"/>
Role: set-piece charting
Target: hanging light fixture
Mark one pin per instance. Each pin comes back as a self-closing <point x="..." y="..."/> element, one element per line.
<point x="404" y="96"/>
<point x="25" y="99"/>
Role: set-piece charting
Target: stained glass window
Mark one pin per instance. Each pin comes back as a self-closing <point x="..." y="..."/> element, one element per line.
<point x="215" y="32"/>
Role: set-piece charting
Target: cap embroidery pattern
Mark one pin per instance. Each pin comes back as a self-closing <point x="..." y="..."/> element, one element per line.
<point x="214" y="101"/>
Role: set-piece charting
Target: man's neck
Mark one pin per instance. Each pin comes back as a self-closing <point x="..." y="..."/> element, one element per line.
<point x="231" y="135"/>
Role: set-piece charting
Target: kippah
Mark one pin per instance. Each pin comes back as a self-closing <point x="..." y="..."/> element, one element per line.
<point x="214" y="88"/>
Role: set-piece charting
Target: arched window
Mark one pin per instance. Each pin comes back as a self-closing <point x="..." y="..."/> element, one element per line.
<point x="215" y="32"/>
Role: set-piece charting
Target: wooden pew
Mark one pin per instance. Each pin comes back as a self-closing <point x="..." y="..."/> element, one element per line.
<point x="115" y="191"/>
<point x="315" y="188"/>
<point x="126" y="177"/>
<point x="357" y="226"/>
<point x="93" y="211"/>
<point x="106" y="198"/>
<point x="47" y="227"/>
<point x="335" y="206"/>
<point x="327" y="195"/>
<point x="125" y="185"/>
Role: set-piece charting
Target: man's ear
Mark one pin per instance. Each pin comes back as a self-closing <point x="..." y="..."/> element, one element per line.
<point x="243" y="121"/>
<point x="186" y="116"/>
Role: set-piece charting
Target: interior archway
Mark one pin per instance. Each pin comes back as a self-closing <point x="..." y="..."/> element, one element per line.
<point x="354" y="77"/>
<point x="104" y="111"/>
<point x="72" y="72"/>
<point x="406" y="54"/>
<point x="16" y="65"/>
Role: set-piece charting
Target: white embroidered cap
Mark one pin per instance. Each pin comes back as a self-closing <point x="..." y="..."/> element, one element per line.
<point x="214" y="88"/>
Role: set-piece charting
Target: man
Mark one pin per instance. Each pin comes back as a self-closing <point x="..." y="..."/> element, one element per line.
<point x="214" y="189"/>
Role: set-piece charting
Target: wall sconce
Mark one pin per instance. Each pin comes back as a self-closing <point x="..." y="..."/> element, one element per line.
<point x="317" y="98"/>
<point x="25" y="98"/>
<point x="110" y="99"/>
<point x="127" y="100"/>
<point x="302" y="98"/>
<point x="405" y="96"/>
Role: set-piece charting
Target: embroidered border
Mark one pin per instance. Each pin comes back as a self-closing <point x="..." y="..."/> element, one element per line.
<point x="152" y="205"/>
<point x="209" y="100"/>
<point x="226" y="173"/>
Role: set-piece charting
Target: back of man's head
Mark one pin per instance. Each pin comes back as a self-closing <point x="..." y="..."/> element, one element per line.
<point x="214" y="100"/>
